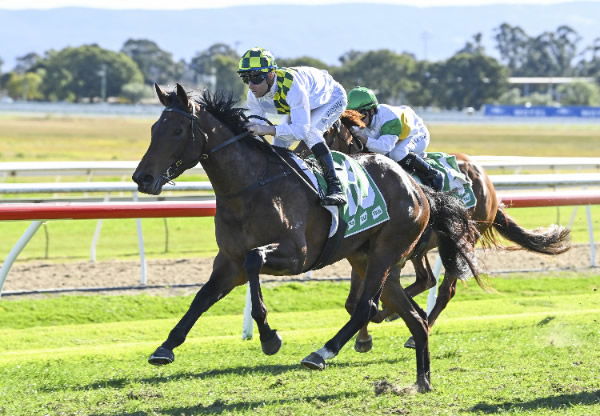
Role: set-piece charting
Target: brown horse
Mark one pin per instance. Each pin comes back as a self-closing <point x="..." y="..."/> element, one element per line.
<point x="269" y="221"/>
<point x="488" y="214"/>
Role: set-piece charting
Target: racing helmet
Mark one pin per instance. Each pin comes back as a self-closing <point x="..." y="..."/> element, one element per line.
<point x="257" y="60"/>
<point x="361" y="98"/>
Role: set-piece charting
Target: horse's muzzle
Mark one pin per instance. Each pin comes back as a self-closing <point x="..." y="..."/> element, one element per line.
<point x="147" y="183"/>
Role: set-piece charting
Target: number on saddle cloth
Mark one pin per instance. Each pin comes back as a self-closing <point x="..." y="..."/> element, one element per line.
<point x="366" y="207"/>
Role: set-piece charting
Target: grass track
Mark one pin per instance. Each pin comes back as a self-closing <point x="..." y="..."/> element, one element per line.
<point x="520" y="351"/>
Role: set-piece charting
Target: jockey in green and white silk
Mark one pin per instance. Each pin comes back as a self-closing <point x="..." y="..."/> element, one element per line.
<point x="397" y="132"/>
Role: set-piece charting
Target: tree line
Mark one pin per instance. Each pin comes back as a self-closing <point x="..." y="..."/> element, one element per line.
<point x="469" y="78"/>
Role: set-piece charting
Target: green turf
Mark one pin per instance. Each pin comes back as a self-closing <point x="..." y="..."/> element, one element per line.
<point x="529" y="349"/>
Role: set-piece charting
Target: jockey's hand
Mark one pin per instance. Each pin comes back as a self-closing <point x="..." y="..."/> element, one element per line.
<point x="261" y="129"/>
<point x="360" y="133"/>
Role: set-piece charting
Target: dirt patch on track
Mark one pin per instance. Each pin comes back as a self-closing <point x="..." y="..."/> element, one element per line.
<point x="44" y="275"/>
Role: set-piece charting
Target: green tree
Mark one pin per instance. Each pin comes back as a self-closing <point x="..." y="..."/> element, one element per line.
<point x="473" y="47"/>
<point x="512" y="43"/>
<point x="216" y="68"/>
<point x="389" y="74"/>
<point x="579" y="93"/>
<point x="90" y="71"/>
<point x="25" y="86"/>
<point x="589" y="65"/>
<point x="27" y="63"/>
<point x="136" y="92"/>
<point x="156" y="64"/>
<point x="227" y="79"/>
<point x="469" y="80"/>
<point x="548" y="54"/>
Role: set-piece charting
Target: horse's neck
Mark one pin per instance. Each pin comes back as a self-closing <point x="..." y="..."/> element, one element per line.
<point x="234" y="167"/>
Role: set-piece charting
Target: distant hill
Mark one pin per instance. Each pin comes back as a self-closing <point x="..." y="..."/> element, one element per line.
<point x="324" y="32"/>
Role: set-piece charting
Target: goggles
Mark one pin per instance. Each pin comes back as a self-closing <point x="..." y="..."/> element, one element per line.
<point x="254" y="78"/>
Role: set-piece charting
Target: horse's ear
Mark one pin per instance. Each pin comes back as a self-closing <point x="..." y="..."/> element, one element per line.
<point x="163" y="97"/>
<point x="183" y="97"/>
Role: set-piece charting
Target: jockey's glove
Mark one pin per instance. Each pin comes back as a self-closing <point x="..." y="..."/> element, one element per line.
<point x="261" y="129"/>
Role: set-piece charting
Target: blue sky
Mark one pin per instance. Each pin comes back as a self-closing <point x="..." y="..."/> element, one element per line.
<point x="188" y="4"/>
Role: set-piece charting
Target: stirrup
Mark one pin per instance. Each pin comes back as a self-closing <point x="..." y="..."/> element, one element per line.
<point x="337" y="199"/>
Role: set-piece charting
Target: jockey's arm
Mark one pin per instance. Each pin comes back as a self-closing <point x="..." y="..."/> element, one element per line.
<point x="382" y="144"/>
<point x="257" y="125"/>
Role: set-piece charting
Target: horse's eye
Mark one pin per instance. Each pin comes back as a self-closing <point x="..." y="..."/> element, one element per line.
<point x="178" y="131"/>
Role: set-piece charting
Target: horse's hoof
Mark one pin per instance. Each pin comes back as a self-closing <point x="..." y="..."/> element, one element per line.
<point x="363" y="345"/>
<point x="423" y="387"/>
<point x="272" y="345"/>
<point x="314" y="362"/>
<point x="410" y="343"/>
<point x="162" y="356"/>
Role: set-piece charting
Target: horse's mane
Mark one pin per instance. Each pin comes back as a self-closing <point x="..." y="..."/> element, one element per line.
<point x="352" y="118"/>
<point x="222" y="107"/>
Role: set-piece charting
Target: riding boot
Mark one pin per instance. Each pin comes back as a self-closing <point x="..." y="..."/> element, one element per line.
<point x="428" y="175"/>
<point x="335" y="195"/>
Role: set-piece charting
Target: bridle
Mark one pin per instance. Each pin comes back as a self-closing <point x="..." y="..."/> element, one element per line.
<point x="172" y="173"/>
<point x="354" y="141"/>
<point x="178" y="165"/>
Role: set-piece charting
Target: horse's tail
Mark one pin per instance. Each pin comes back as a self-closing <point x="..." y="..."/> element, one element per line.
<point x="456" y="234"/>
<point x="552" y="240"/>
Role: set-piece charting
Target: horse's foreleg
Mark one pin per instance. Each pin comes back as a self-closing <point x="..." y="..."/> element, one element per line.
<point x="269" y="339"/>
<point x="221" y="282"/>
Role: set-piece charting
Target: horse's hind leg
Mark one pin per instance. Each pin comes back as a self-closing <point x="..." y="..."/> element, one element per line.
<point x="363" y="342"/>
<point x="446" y="292"/>
<point x="224" y="277"/>
<point x="365" y="308"/>
<point x="415" y="318"/>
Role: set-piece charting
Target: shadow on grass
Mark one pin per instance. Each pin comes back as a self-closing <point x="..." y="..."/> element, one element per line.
<point x="117" y="383"/>
<point x="219" y="406"/>
<point x="563" y="401"/>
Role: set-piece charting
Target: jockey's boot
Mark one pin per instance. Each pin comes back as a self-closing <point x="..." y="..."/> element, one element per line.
<point x="335" y="195"/>
<point x="428" y="175"/>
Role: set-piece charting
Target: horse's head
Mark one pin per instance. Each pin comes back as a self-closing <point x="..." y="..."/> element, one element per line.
<point x="176" y="142"/>
<point x="340" y="136"/>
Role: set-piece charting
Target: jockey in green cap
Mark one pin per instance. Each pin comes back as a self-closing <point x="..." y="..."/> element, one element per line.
<point x="397" y="132"/>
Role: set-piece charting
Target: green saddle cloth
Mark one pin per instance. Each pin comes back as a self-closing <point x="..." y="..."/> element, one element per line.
<point x="366" y="207"/>
<point x="454" y="180"/>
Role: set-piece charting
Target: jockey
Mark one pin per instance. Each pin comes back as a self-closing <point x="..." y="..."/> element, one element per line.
<point x="310" y="101"/>
<point x="397" y="132"/>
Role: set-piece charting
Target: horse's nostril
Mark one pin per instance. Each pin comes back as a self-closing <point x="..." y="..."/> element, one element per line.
<point x="141" y="179"/>
<point x="147" y="179"/>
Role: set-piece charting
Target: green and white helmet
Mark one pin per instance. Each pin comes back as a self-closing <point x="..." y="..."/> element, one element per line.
<point x="257" y="59"/>
<point x="361" y="98"/>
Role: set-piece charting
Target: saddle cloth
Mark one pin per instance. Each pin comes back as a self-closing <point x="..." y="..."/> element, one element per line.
<point x="366" y="207"/>
<point x="454" y="180"/>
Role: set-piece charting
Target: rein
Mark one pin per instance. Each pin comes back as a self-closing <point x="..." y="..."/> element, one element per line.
<point x="204" y="155"/>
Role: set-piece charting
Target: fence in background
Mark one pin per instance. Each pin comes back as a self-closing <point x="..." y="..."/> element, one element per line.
<point x="41" y="212"/>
